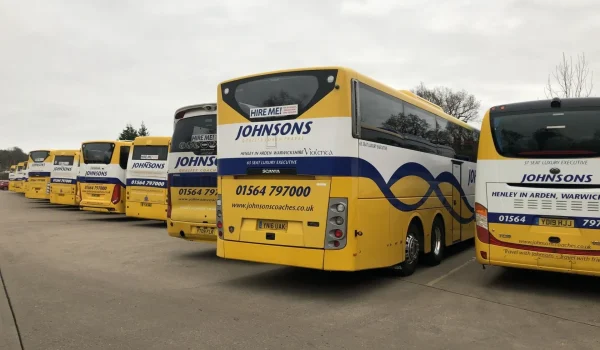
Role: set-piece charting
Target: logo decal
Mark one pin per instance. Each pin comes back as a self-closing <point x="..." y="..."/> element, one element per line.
<point x="267" y="112"/>
<point x="196" y="161"/>
<point x="277" y="129"/>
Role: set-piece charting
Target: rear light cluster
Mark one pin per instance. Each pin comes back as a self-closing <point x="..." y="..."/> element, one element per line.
<point x="481" y="221"/>
<point x="337" y="224"/>
<point x="220" y="216"/>
<point x="48" y="188"/>
<point x="168" y="197"/>
<point x="116" y="195"/>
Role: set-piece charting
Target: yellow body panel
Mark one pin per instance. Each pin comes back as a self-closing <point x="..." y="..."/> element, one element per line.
<point x="192" y="197"/>
<point x="38" y="182"/>
<point x="376" y="230"/>
<point x="526" y="246"/>
<point x="19" y="183"/>
<point x="147" y="201"/>
<point x="18" y="186"/>
<point x="61" y="192"/>
<point x="11" y="182"/>
<point x="36" y="188"/>
<point x="96" y="193"/>
<point x="146" y="210"/>
<point x="192" y="231"/>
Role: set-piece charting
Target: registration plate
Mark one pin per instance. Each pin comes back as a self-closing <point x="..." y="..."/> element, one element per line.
<point x="272" y="225"/>
<point x="205" y="230"/>
<point x="146" y="204"/>
<point x="95" y="195"/>
<point x="556" y="222"/>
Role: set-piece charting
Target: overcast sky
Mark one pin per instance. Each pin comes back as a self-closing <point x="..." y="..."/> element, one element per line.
<point x="75" y="72"/>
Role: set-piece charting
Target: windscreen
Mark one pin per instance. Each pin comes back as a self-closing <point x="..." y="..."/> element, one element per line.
<point x="97" y="153"/>
<point x="276" y="91"/>
<point x="196" y="134"/>
<point x="548" y="134"/>
<point x="63" y="160"/>
<point x="39" y="156"/>
<point x="280" y="95"/>
<point x="150" y="152"/>
<point x="19" y="168"/>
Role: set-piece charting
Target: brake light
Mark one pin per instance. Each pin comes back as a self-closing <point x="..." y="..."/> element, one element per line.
<point x="481" y="221"/>
<point x="168" y="197"/>
<point x="116" y="195"/>
<point x="220" y="217"/>
<point x="336" y="237"/>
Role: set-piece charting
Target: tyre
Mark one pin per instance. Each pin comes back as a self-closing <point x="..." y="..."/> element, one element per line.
<point x="438" y="243"/>
<point x="411" y="252"/>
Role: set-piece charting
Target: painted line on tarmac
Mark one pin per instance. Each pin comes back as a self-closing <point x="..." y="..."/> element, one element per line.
<point x="450" y="273"/>
<point x="10" y="336"/>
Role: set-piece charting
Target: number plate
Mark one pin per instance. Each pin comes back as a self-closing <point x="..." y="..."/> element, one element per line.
<point x="146" y="204"/>
<point x="272" y="225"/>
<point x="95" y="195"/>
<point x="556" y="222"/>
<point x="205" y="230"/>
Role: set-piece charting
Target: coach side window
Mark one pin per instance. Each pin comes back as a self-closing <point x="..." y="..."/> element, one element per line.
<point x="124" y="157"/>
<point x="476" y="142"/>
<point x="445" y="139"/>
<point x="469" y="147"/>
<point x="376" y="111"/>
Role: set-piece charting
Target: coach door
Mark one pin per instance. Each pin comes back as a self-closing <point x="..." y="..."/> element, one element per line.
<point x="456" y="200"/>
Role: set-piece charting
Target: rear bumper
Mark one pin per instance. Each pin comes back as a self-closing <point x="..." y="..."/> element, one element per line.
<point x="189" y="231"/>
<point x="37" y="193"/>
<point x="155" y="212"/>
<point x="102" y="207"/>
<point x="65" y="199"/>
<point x="530" y="259"/>
<point x="534" y="266"/>
<point x="271" y="254"/>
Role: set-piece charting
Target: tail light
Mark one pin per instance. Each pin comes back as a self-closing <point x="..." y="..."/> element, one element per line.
<point x="337" y="224"/>
<point x="220" y="216"/>
<point x="168" y="197"/>
<point x="116" y="195"/>
<point x="481" y="220"/>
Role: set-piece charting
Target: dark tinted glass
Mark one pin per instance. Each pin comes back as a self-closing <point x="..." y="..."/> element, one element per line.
<point x="389" y="120"/>
<point x="278" y="96"/>
<point x="97" y="153"/>
<point x="39" y="156"/>
<point x="63" y="160"/>
<point x="150" y="152"/>
<point x="196" y="134"/>
<point x="382" y="115"/>
<point x="276" y="91"/>
<point x="124" y="157"/>
<point x="552" y="134"/>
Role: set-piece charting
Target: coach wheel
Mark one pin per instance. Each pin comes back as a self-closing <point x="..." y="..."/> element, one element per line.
<point x="411" y="252"/>
<point x="435" y="256"/>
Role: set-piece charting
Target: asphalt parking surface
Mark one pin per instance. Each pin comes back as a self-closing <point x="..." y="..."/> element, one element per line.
<point x="80" y="280"/>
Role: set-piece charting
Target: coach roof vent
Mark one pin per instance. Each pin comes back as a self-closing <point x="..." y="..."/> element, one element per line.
<point x="555" y="103"/>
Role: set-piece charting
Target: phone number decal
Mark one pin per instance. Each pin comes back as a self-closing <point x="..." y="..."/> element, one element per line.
<point x="292" y="191"/>
<point x="197" y="192"/>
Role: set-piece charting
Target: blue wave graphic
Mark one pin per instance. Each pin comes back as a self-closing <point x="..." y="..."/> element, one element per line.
<point x="351" y="166"/>
<point x="366" y="169"/>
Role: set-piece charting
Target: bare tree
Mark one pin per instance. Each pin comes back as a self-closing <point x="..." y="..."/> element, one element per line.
<point x="571" y="79"/>
<point x="459" y="104"/>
